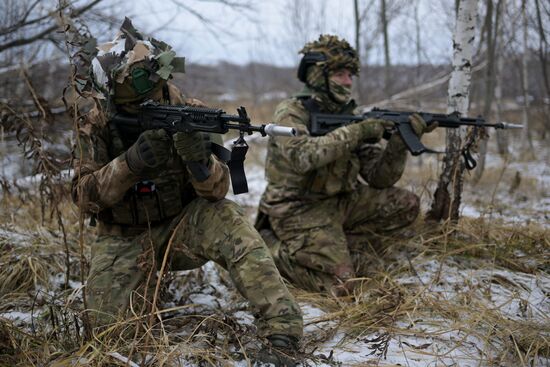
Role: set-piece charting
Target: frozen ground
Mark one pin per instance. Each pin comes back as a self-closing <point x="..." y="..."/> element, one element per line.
<point x="421" y="339"/>
<point x="425" y="340"/>
<point x="457" y="302"/>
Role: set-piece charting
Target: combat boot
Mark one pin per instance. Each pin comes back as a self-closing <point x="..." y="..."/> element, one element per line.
<point x="280" y="352"/>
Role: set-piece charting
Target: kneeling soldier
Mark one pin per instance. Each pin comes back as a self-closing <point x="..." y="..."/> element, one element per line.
<point x="144" y="198"/>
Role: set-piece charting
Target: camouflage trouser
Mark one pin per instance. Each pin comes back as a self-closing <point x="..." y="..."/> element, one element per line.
<point x="314" y="251"/>
<point x="121" y="267"/>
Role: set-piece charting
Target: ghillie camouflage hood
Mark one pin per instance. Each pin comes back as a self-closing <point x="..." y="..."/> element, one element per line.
<point x="131" y="67"/>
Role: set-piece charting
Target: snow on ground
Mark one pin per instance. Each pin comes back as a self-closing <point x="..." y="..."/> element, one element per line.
<point x="423" y="338"/>
<point x="515" y="204"/>
<point x="437" y="342"/>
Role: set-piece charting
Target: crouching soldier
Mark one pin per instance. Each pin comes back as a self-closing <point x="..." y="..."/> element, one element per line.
<point x="143" y="199"/>
<point x="315" y="208"/>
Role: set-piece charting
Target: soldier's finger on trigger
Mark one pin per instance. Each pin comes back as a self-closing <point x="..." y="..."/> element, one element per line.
<point x="418" y="124"/>
<point x="432" y="127"/>
<point x="387" y="124"/>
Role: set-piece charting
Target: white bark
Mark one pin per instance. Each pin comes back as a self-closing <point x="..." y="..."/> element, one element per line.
<point x="447" y="196"/>
<point x="463" y="49"/>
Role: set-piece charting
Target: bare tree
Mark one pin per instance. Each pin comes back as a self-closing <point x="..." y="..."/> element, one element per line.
<point x="367" y="31"/>
<point x="418" y="41"/>
<point x="501" y="135"/>
<point x="30" y="26"/>
<point x="449" y="189"/>
<point x="387" y="62"/>
<point x="358" y="20"/>
<point x="543" y="58"/>
<point x="543" y="48"/>
<point x="527" y="151"/>
<point x="491" y="32"/>
<point x="305" y="20"/>
<point x="244" y="7"/>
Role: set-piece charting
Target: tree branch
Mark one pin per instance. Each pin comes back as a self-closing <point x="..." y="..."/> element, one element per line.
<point x="25" y="41"/>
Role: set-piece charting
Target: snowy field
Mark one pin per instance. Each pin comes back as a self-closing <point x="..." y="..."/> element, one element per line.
<point x="440" y="307"/>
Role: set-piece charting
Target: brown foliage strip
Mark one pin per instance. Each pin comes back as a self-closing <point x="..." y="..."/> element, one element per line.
<point x="81" y="49"/>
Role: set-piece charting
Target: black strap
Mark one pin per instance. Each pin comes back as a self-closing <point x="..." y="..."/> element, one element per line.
<point x="469" y="160"/>
<point x="236" y="166"/>
<point x="234" y="159"/>
<point x="221" y="152"/>
<point x="311" y="105"/>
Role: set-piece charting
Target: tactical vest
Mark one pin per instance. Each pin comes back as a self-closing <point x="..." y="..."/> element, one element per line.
<point x="149" y="201"/>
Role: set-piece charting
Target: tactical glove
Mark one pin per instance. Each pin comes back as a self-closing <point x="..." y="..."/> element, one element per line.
<point x="419" y="125"/>
<point x="370" y="130"/>
<point x="149" y="152"/>
<point x="193" y="147"/>
<point x="396" y="145"/>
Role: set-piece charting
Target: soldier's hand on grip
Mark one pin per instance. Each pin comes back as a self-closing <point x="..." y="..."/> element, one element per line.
<point x="193" y="147"/>
<point x="370" y="130"/>
<point x="419" y="125"/>
<point x="150" y="151"/>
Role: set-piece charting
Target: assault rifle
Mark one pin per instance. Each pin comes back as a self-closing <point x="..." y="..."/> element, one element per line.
<point x="153" y="115"/>
<point x="321" y="124"/>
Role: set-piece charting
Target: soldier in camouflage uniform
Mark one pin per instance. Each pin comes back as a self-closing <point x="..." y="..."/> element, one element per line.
<point x="145" y="200"/>
<point x="315" y="209"/>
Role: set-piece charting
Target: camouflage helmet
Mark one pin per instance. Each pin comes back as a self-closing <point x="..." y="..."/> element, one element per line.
<point x="131" y="68"/>
<point x="329" y="53"/>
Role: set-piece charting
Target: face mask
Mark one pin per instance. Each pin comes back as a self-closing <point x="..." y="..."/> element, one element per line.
<point x="141" y="82"/>
<point x="341" y="93"/>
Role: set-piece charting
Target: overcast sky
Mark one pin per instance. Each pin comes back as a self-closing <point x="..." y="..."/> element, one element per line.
<point x="265" y="34"/>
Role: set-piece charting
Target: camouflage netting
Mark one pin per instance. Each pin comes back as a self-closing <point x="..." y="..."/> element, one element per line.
<point x="339" y="52"/>
<point x="131" y="66"/>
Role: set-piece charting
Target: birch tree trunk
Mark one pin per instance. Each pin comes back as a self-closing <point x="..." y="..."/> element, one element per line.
<point x="527" y="151"/>
<point x="449" y="189"/>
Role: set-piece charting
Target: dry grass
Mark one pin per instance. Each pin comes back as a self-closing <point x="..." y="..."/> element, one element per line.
<point x="406" y="301"/>
<point x="387" y="305"/>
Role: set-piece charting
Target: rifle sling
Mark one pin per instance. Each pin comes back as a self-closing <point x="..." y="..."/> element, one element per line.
<point x="234" y="159"/>
<point x="312" y="107"/>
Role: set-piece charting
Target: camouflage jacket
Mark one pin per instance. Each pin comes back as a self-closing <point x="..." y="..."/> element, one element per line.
<point x="307" y="168"/>
<point x="104" y="186"/>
